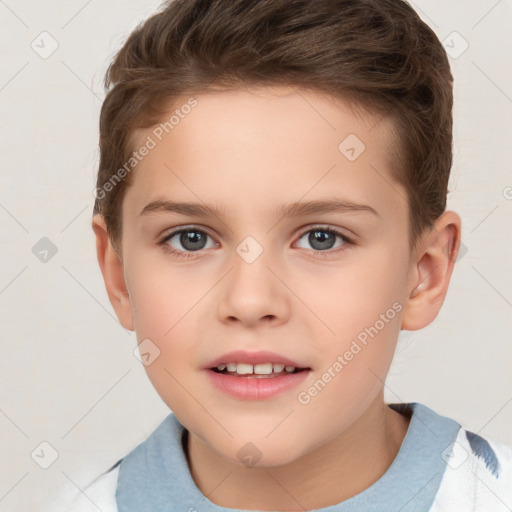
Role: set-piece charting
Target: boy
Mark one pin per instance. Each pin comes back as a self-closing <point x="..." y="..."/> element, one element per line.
<point x="270" y="213"/>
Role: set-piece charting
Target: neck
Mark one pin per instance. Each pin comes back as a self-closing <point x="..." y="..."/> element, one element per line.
<point x="345" y="466"/>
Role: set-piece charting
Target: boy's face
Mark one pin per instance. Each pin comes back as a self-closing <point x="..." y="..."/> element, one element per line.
<point x="308" y="296"/>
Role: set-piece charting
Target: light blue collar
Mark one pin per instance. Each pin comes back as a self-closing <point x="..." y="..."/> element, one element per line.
<point x="154" y="476"/>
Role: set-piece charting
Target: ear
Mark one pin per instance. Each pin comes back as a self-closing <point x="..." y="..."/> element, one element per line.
<point x="112" y="269"/>
<point x="433" y="263"/>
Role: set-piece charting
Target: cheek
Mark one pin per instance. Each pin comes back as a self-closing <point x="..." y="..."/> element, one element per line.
<point x="361" y="304"/>
<point x="160" y="296"/>
<point x="167" y="316"/>
<point x="164" y="318"/>
<point x="349" y="298"/>
<point x="164" y="307"/>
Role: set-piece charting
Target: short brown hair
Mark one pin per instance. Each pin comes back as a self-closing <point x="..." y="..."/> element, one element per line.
<point x="378" y="54"/>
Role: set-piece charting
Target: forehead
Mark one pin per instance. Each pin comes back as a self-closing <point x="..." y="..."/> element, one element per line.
<point x="265" y="145"/>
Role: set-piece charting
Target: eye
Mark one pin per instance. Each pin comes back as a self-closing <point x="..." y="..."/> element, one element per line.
<point x="183" y="241"/>
<point x="323" y="238"/>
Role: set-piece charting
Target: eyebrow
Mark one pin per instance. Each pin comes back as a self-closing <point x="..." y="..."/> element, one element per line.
<point x="291" y="210"/>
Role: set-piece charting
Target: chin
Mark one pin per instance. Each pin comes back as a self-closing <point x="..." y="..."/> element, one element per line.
<point x="259" y="454"/>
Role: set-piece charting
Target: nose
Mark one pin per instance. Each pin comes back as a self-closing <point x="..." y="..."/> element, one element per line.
<point x="252" y="294"/>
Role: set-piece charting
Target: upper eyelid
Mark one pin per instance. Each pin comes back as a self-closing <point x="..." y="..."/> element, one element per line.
<point x="324" y="227"/>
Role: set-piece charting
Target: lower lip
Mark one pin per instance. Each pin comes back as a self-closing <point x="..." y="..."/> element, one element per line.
<point x="253" y="388"/>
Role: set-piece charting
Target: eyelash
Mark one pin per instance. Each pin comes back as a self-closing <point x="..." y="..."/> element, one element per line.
<point x="316" y="253"/>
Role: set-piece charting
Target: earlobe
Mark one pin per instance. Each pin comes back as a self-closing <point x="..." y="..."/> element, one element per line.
<point x="433" y="265"/>
<point x="111" y="267"/>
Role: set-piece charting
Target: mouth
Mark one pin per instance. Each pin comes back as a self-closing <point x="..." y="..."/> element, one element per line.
<point x="258" y="371"/>
<point x="259" y="375"/>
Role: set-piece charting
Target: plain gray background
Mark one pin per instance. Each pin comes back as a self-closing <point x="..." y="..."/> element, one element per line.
<point x="68" y="374"/>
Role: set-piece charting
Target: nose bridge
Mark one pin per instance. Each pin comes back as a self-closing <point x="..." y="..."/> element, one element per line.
<point x="250" y="275"/>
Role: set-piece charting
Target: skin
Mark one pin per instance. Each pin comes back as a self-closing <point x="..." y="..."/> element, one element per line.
<point x="249" y="152"/>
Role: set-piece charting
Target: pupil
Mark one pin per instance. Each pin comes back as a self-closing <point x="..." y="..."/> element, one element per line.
<point x="321" y="239"/>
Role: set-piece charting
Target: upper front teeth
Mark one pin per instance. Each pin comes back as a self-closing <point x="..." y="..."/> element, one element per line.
<point x="258" y="369"/>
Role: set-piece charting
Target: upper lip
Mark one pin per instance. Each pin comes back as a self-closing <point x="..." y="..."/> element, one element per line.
<point x="259" y="357"/>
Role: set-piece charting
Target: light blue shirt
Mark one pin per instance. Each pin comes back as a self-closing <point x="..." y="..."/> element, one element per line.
<point x="155" y="475"/>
